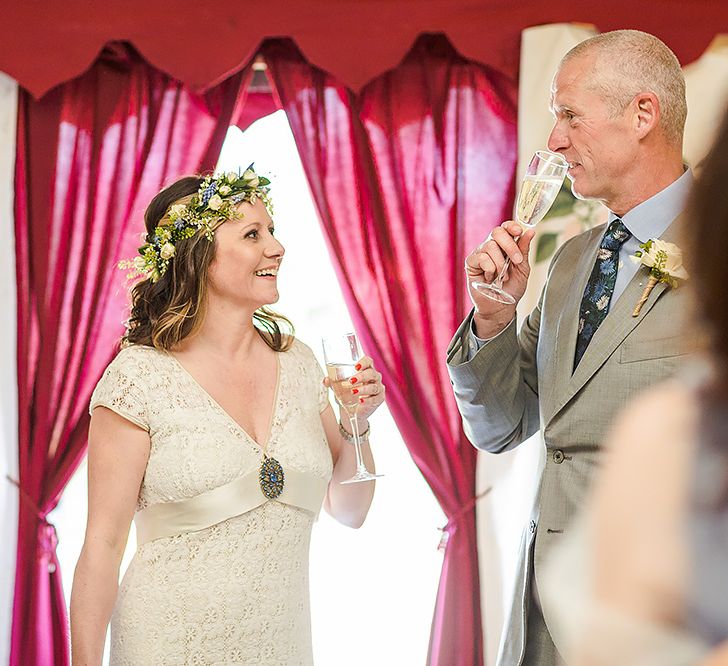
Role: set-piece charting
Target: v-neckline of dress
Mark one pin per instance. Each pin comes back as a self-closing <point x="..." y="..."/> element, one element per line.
<point x="263" y="447"/>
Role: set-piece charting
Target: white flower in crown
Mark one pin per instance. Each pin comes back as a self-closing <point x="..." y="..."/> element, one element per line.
<point x="167" y="251"/>
<point x="231" y="177"/>
<point x="139" y="263"/>
<point x="665" y="263"/>
<point x="225" y="190"/>
<point x="215" y="202"/>
<point x="176" y="211"/>
<point x="250" y="177"/>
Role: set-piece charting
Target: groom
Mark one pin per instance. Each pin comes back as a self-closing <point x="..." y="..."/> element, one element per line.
<point x="619" y="105"/>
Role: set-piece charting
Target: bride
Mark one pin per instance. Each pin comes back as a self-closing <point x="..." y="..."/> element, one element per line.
<point x="212" y="429"/>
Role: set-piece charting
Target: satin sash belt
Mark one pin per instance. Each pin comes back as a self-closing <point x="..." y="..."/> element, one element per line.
<point x="241" y="495"/>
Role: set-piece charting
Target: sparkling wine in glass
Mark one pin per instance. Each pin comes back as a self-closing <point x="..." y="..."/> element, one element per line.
<point x="341" y="354"/>
<point x="541" y="184"/>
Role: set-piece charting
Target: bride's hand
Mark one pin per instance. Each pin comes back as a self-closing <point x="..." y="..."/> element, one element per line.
<point x="367" y="385"/>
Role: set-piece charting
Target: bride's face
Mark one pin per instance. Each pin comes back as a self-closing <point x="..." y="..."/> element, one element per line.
<point x="247" y="257"/>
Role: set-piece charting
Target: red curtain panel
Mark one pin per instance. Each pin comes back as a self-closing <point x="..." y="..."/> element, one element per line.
<point x="91" y="154"/>
<point x="407" y="177"/>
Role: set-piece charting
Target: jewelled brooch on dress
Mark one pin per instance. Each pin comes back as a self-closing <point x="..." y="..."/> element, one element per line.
<point x="272" y="478"/>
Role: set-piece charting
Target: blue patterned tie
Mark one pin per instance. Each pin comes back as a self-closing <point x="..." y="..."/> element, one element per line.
<point x="600" y="287"/>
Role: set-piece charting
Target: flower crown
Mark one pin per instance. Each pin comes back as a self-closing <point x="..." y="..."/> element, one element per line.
<point x="213" y="204"/>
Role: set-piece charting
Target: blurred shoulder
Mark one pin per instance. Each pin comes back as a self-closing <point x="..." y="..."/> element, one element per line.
<point x="640" y="502"/>
<point x="650" y="448"/>
<point x="657" y="421"/>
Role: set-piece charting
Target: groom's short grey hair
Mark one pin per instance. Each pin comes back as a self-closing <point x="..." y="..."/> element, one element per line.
<point x="630" y="62"/>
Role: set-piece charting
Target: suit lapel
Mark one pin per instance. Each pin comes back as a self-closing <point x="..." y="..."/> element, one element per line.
<point x="617" y="325"/>
<point x="562" y="362"/>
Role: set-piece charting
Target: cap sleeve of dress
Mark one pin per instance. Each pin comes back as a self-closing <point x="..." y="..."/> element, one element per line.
<point x="122" y="387"/>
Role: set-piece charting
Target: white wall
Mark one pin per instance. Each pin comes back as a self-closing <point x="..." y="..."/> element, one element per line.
<point x="8" y="374"/>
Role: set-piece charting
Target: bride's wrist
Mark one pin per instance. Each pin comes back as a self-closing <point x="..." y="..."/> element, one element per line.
<point x="345" y="425"/>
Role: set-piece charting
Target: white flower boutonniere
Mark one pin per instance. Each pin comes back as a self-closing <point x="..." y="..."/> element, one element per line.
<point x="665" y="263"/>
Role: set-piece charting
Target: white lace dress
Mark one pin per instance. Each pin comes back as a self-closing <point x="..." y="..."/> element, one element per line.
<point x="235" y="592"/>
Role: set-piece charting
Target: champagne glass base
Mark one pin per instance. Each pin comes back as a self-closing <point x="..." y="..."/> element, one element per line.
<point x="493" y="292"/>
<point x="360" y="476"/>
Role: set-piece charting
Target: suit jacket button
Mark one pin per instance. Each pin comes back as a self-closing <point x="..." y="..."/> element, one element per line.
<point x="558" y="456"/>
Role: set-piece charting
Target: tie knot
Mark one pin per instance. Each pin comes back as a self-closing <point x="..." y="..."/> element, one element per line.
<point x="615" y="236"/>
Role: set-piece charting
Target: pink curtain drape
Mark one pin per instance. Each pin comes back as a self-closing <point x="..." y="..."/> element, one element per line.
<point x="91" y="154"/>
<point x="407" y="177"/>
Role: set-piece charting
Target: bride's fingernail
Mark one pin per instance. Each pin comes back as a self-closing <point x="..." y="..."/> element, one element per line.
<point x="358" y="366"/>
<point x="361" y="399"/>
<point x="355" y="390"/>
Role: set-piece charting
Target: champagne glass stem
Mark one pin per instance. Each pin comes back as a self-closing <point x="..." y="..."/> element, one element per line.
<point x="498" y="282"/>
<point x="357" y="442"/>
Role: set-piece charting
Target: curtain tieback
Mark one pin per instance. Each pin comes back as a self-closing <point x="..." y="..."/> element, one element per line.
<point x="449" y="527"/>
<point x="47" y="535"/>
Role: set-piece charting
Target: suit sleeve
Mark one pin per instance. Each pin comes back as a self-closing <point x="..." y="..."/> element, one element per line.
<point x="496" y="390"/>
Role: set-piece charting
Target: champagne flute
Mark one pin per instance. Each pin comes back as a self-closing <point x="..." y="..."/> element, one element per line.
<point x="341" y="354"/>
<point x="541" y="184"/>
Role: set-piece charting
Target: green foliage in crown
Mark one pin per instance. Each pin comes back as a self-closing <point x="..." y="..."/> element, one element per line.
<point x="216" y="200"/>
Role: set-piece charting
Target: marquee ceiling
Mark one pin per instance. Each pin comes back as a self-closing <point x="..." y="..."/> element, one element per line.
<point x="43" y="43"/>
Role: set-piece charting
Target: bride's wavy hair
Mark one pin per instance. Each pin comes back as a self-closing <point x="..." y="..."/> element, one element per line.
<point x="165" y="312"/>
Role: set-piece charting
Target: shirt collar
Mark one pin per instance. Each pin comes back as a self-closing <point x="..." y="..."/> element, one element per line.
<point x="652" y="217"/>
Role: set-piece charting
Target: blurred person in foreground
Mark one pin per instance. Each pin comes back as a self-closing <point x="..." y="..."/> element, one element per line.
<point x="212" y="429"/>
<point x="643" y="580"/>
<point x="618" y="101"/>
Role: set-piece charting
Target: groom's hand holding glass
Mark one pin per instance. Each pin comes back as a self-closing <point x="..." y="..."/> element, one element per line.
<point x="485" y="263"/>
<point x="498" y="270"/>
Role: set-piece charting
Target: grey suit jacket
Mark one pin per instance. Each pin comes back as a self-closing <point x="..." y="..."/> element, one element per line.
<point x="520" y="383"/>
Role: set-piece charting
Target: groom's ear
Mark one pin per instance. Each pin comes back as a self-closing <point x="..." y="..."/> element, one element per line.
<point x="646" y="113"/>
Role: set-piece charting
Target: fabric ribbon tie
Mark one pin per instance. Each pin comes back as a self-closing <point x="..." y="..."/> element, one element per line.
<point x="47" y="538"/>
<point x="451" y="525"/>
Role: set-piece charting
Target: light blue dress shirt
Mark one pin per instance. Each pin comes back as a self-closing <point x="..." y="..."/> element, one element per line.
<point x="650" y="219"/>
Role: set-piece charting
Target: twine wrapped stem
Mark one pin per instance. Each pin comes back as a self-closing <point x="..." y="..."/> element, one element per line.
<point x="645" y="295"/>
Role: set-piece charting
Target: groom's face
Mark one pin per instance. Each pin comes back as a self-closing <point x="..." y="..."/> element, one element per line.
<point x="597" y="142"/>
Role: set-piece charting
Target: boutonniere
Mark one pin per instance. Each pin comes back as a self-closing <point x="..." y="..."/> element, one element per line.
<point x="665" y="263"/>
